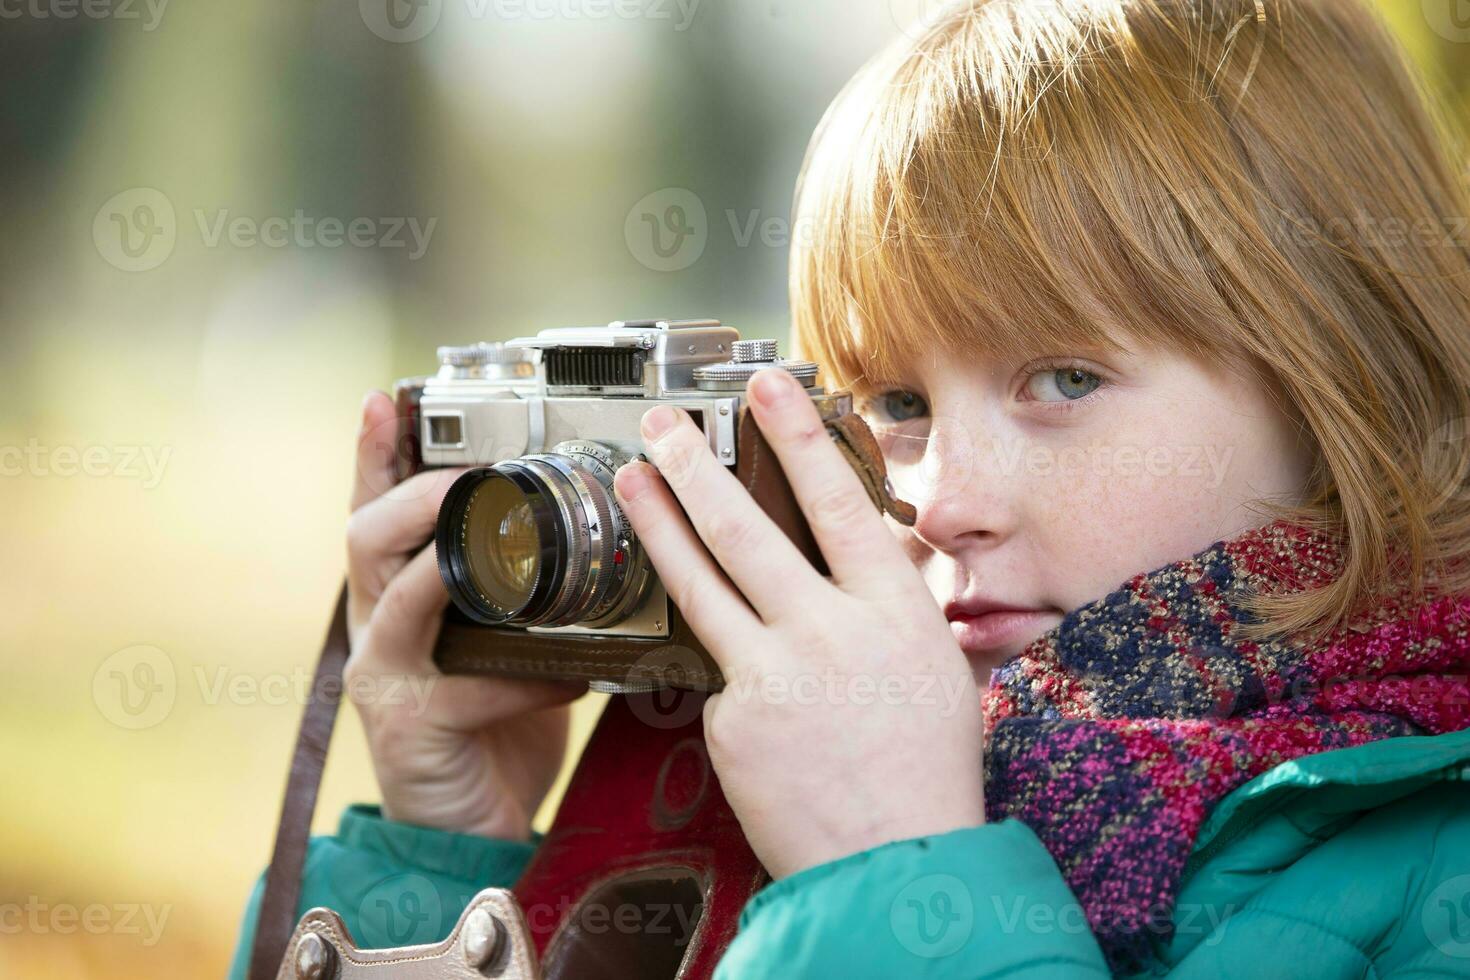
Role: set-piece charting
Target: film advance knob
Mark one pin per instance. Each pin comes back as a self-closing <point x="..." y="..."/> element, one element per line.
<point x="747" y="351"/>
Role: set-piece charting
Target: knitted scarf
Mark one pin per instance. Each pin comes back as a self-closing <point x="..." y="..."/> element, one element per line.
<point x="1114" y="735"/>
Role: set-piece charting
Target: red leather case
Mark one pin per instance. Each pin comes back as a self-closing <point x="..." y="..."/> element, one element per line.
<point x="644" y="797"/>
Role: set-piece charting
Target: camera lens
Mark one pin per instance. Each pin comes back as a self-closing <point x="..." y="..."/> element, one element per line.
<point x="502" y="547"/>
<point x="540" y="541"/>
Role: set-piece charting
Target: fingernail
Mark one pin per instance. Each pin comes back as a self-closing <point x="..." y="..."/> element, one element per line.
<point x="771" y="387"/>
<point x="658" y="421"/>
<point x="632" y="480"/>
<point x="363" y="412"/>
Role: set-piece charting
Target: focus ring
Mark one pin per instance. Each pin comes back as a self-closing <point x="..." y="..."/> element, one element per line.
<point x="565" y="503"/>
<point x="604" y="540"/>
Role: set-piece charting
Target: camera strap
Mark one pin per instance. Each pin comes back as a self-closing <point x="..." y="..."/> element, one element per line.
<point x="277" y="918"/>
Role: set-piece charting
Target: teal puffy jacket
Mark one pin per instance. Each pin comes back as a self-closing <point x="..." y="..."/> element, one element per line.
<point x="1352" y="863"/>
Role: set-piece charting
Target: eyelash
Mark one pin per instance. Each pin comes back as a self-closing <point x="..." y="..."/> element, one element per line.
<point x="872" y="402"/>
<point x="1064" y="364"/>
<point x="1040" y="367"/>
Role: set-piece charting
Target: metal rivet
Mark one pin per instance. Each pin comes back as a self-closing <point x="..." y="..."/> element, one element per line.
<point x="691" y="348"/>
<point x="727" y="451"/>
<point x="315" y="958"/>
<point x="483" y="938"/>
<point x="724" y="409"/>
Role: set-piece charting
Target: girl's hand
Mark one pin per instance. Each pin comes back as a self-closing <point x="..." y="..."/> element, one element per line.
<point x="468" y="754"/>
<point x="851" y="716"/>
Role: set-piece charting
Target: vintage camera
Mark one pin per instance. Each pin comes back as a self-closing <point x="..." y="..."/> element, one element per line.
<point x="546" y="575"/>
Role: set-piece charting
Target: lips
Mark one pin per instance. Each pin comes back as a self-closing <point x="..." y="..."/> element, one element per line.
<point x="983" y="626"/>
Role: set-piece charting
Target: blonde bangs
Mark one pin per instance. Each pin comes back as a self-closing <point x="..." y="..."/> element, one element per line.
<point x="949" y="208"/>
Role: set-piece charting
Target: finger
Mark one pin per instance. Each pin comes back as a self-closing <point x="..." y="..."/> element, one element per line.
<point x="384" y="533"/>
<point x="747" y="544"/>
<point x="377" y="442"/>
<point x="467" y="704"/>
<point x="408" y="615"/>
<point x="459" y="703"/>
<point x="706" y="598"/>
<point x="396" y="524"/>
<point x="850" y="531"/>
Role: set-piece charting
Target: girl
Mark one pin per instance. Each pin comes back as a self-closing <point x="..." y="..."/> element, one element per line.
<point x="1158" y="308"/>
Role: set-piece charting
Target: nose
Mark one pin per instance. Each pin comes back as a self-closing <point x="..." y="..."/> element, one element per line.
<point x="962" y="491"/>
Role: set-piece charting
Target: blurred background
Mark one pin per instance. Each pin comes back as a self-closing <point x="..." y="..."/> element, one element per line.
<point x="222" y="224"/>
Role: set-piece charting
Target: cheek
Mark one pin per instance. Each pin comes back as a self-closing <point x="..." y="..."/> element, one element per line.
<point x="1133" y="502"/>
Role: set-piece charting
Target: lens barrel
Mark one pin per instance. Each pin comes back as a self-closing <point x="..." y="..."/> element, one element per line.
<point x="540" y="541"/>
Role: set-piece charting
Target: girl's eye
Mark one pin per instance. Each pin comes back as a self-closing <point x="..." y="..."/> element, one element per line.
<point x="1062" y="385"/>
<point x="901" y="406"/>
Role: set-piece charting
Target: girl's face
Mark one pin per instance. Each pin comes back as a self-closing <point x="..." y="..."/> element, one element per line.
<point x="1044" y="484"/>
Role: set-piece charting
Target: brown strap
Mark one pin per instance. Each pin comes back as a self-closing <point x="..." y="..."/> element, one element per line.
<point x="277" y="918"/>
<point x="860" y="447"/>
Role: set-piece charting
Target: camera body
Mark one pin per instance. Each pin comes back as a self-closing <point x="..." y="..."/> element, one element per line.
<point x="546" y="575"/>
